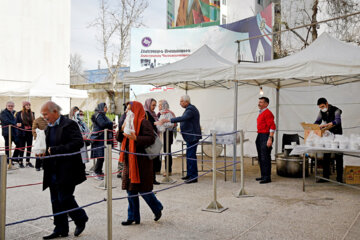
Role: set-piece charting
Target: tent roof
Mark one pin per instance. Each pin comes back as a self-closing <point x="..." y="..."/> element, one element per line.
<point x="203" y="65"/>
<point x="39" y="88"/>
<point x="327" y="61"/>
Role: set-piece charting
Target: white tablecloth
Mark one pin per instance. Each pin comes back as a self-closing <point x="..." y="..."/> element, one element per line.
<point x="301" y="149"/>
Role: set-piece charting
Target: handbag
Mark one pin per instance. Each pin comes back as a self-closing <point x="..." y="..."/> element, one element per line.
<point x="155" y="148"/>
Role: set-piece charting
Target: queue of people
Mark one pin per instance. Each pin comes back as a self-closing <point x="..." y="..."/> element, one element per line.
<point x="21" y="131"/>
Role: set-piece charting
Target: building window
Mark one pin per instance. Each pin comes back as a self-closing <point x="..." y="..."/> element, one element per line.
<point x="223" y="19"/>
<point x="223" y="2"/>
<point x="260" y="2"/>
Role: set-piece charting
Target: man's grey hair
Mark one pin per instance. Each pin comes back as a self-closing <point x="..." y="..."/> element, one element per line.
<point x="52" y="106"/>
<point x="10" y="103"/>
<point x="185" y="98"/>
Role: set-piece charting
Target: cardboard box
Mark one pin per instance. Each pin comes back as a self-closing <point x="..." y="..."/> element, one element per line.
<point x="310" y="127"/>
<point x="352" y="174"/>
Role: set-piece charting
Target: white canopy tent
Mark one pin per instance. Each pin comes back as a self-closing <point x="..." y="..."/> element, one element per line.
<point x="327" y="61"/>
<point x="39" y="88"/>
<point x="202" y="69"/>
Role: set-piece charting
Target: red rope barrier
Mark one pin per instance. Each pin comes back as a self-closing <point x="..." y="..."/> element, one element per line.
<point x="3" y="149"/>
<point x="98" y="140"/>
<point x="22" y="128"/>
<point x="32" y="184"/>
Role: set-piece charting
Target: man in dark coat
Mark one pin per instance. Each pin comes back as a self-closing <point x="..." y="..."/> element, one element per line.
<point x="62" y="174"/>
<point x="7" y="117"/>
<point x="191" y="133"/>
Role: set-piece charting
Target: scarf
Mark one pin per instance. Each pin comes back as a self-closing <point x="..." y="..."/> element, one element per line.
<point x="165" y="108"/>
<point x="98" y="110"/>
<point x="139" y="112"/>
<point x="147" y="108"/>
<point x="82" y="125"/>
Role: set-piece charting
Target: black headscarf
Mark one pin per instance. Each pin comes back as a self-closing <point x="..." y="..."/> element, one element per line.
<point x="98" y="110"/>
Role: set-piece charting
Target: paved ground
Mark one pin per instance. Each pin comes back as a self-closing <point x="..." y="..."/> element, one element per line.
<point x="279" y="210"/>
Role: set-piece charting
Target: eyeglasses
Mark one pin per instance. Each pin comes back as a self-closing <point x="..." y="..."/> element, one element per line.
<point x="11" y="105"/>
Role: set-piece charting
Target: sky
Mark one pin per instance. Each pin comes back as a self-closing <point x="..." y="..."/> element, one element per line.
<point x="83" y="38"/>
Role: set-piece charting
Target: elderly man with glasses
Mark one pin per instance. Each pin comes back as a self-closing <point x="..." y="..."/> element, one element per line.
<point x="7" y="117"/>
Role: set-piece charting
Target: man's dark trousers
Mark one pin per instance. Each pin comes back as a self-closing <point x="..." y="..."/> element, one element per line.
<point x="339" y="166"/>
<point x="191" y="163"/>
<point x="62" y="199"/>
<point x="264" y="155"/>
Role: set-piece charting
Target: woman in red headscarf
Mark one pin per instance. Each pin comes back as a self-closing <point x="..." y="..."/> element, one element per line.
<point x="138" y="170"/>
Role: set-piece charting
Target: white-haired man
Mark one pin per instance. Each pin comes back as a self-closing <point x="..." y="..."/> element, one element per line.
<point x="191" y="133"/>
<point x="7" y="117"/>
<point x="62" y="174"/>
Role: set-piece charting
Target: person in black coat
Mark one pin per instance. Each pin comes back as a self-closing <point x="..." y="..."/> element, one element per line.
<point x="100" y="123"/>
<point x="24" y="120"/>
<point x="7" y="118"/>
<point x="62" y="174"/>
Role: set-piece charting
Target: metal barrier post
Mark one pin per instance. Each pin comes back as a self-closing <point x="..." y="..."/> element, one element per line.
<point x="214" y="206"/>
<point x="107" y="158"/>
<point x="109" y="190"/>
<point x="10" y="166"/>
<point x="242" y="192"/>
<point x="3" y="169"/>
<point x="103" y="184"/>
<point x="167" y="179"/>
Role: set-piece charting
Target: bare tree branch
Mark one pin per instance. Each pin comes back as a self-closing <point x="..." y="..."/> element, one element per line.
<point x="76" y="64"/>
<point x="114" y="23"/>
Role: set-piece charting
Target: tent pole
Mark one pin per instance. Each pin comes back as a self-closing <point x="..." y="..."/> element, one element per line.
<point x="235" y="128"/>
<point x="277" y="117"/>
<point x="236" y="85"/>
<point x="124" y="97"/>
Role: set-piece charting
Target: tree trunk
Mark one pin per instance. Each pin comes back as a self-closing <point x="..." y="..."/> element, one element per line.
<point x="111" y="95"/>
<point x="313" y="20"/>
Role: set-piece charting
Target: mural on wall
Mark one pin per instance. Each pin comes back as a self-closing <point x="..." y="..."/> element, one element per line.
<point x="192" y="13"/>
<point x="151" y="48"/>
<point x="261" y="24"/>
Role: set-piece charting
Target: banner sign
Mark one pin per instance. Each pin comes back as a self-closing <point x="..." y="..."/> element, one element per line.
<point x="151" y="48"/>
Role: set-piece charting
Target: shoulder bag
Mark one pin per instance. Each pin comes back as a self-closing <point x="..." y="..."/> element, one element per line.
<point x="155" y="148"/>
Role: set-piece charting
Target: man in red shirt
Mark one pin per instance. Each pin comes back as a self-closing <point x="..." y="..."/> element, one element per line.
<point x="265" y="128"/>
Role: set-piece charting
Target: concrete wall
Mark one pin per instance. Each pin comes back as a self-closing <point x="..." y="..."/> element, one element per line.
<point x="35" y="40"/>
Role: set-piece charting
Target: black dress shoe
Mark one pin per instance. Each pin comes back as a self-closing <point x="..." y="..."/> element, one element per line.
<point x="185" y="178"/>
<point x="156" y="183"/>
<point x="129" y="222"/>
<point x="191" y="181"/>
<point x="265" y="181"/>
<point x="157" y="216"/>
<point x="55" y="235"/>
<point x="339" y="180"/>
<point x="258" y="178"/>
<point x="79" y="229"/>
<point x="321" y="181"/>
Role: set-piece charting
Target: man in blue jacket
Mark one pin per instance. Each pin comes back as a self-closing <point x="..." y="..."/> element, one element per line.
<point x="191" y="132"/>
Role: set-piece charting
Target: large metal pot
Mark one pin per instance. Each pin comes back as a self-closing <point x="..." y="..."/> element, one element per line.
<point x="291" y="166"/>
